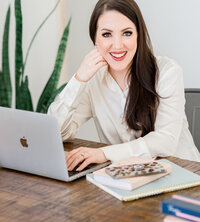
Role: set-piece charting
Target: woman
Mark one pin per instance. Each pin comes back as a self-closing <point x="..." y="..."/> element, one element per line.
<point x="136" y="99"/>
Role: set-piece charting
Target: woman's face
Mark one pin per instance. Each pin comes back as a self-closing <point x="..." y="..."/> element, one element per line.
<point x="116" y="39"/>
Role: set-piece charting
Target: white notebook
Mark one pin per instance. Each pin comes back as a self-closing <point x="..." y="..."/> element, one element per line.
<point x="179" y="178"/>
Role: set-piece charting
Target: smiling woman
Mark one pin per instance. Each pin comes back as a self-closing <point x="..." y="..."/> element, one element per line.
<point x="136" y="99"/>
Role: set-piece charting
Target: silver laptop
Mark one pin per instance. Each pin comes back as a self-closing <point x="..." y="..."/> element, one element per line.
<point x="31" y="142"/>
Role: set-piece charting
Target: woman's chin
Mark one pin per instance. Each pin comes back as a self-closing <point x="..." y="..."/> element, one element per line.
<point x="117" y="69"/>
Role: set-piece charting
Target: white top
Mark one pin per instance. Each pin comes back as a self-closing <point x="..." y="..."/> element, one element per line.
<point x="102" y="99"/>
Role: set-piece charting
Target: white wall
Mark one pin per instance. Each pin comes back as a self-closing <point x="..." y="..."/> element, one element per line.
<point x="79" y="45"/>
<point x="79" y="42"/>
<point x="174" y="29"/>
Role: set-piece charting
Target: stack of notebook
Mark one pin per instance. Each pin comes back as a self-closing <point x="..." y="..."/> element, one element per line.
<point x="127" y="189"/>
<point x="181" y="208"/>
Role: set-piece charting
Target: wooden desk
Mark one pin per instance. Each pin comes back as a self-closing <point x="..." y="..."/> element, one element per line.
<point x="25" y="197"/>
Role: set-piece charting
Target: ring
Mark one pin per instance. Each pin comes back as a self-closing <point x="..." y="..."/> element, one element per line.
<point x="83" y="155"/>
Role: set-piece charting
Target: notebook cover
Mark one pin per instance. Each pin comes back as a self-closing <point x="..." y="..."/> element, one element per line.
<point x="179" y="178"/>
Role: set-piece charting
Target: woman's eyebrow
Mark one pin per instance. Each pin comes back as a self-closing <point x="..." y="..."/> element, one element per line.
<point x="105" y="29"/>
<point x="109" y="30"/>
<point x="128" y="28"/>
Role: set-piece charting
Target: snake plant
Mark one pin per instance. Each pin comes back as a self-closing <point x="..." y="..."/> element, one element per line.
<point x="5" y="82"/>
<point x="23" y="98"/>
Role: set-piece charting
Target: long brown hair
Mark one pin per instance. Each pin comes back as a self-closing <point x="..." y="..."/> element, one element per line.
<point x="142" y="100"/>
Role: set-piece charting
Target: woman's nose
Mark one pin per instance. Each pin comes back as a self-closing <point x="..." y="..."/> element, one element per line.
<point x="117" y="42"/>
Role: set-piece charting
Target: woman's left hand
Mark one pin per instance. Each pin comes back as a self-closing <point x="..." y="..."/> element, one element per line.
<point x="85" y="156"/>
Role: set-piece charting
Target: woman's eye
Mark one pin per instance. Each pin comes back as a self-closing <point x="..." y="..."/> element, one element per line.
<point x="107" y="34"/>
<point x="128" y="33"/>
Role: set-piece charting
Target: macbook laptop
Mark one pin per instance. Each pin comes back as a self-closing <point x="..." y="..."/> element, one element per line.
<point x="31" y="142"/>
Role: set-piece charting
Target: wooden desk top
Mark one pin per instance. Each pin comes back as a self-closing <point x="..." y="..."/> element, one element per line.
<point x="25" y="197"/>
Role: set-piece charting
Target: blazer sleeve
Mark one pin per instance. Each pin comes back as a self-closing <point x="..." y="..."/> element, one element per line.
<point x="71" y="108"/>
<point x="164" y="139"/>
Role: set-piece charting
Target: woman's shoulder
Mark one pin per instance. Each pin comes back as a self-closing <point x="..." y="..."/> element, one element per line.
<point x="165" y="63"/>
<point x="170" y="72"/>
<point x="168" y="68"/>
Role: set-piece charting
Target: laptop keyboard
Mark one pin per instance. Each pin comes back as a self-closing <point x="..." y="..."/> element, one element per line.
<point x="74" y="172"/>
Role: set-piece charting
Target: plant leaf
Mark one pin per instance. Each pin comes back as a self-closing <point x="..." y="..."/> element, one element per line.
<point x="25" y="101"/>
<point x="3" y="91"/>
<point x="22" y="94"/>
<point x="18" y="51"/>
<point x="27" y="94"/>
<point x="5" y="82"/>
<point x="53" y="80"/>
<point x="53" y="96"/>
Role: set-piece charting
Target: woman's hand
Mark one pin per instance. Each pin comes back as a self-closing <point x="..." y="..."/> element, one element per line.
<point x="85" y="156"/>
<point x="92" y="62"/>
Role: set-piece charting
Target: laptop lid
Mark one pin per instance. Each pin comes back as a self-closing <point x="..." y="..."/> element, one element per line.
<point x="31" y="142"/>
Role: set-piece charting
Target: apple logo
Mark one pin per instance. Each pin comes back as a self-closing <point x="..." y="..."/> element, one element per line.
<point x="23" y="141"/>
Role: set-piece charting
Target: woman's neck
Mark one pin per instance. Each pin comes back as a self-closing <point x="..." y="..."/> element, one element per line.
<point x="121" y="78"/>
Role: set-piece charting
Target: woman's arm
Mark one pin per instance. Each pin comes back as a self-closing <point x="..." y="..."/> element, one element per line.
<point x="71" y="108"/>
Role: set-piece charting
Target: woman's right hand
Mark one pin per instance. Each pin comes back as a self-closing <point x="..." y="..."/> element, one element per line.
<point x="92" y="62"/>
